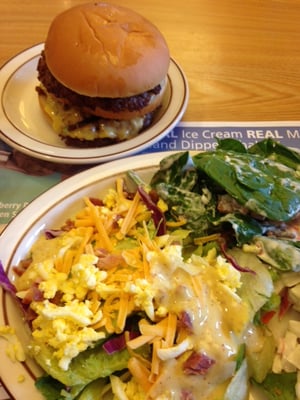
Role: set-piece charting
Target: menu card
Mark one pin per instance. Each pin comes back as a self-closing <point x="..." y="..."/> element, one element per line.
<point x="23" y="178"/>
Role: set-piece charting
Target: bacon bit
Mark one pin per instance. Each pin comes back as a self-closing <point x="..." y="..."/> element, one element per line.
<point x="115" y="222"/>
<point x="22" y="266"/>
<point x="125" y="191"/>
<point x="57" y="298"/>
<point x="185" y="322"/>
<point x="68" y="225"/>
<point x="30" y="315"/>
<point x="52" y="233"/>
<point x="96" y="201"/>
<point x="186" y="395"/>
<point x="293" y="228"/>
<point x="197" y="364"/>
<point x="227" y="204"/>
<point x="107" y="260"/>
<point x="285" y="304"/>
<point x="33" y="294"/>
<point x="154" y="195"/>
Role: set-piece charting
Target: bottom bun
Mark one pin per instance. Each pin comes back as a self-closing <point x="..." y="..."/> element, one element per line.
<point x="81" y="129"/>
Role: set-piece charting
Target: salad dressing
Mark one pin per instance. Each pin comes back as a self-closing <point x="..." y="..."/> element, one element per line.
<point x="210" y="305"/>
<point x="208" y="388"/>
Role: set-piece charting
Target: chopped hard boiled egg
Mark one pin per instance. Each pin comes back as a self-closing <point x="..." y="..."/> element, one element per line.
<point x="14" y="348"/>
<point x="66" y="326"/>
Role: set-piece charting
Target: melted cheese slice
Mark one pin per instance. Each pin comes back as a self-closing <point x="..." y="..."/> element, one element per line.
<point x="62" y="118"/>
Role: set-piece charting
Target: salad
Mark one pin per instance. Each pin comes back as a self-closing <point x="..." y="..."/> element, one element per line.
<point x="180" y="288"/>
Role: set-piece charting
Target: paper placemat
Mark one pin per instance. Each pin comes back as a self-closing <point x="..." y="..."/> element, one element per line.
<point x="23" y="178"/>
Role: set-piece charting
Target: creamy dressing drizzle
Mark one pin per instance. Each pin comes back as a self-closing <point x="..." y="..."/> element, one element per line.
<point x="218" y="317"/>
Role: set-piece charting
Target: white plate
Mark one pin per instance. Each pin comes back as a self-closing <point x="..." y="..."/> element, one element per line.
<point x="48" y="211"/>
<point x="24" y="127"/>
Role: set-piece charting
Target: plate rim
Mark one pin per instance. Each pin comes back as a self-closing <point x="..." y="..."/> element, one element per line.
<point x="25" y="144"/>
<point x="80" y="181"/>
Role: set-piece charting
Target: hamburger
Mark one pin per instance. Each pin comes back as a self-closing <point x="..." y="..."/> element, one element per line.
<point x="102" y="74"/>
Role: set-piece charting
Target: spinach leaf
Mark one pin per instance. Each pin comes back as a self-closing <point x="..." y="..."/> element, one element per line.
<point x="231" y="144"/>
<point x="279" y="386"/>
<point x="244" y="226"/>
<point x="198" y="209"/>
<point x="264" y="186"/>
<point x="177" y="183"/>
<point x="277" y="152"/>
<point x="176" y="170"/>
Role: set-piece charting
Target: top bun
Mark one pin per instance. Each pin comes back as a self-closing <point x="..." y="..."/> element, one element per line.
<point x="104" y="50"/>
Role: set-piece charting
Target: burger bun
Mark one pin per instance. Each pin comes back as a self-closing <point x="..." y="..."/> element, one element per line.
<point x="114" y="52"/>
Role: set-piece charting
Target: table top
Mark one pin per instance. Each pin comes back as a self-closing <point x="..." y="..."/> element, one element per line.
<point x="241" y="59"/>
